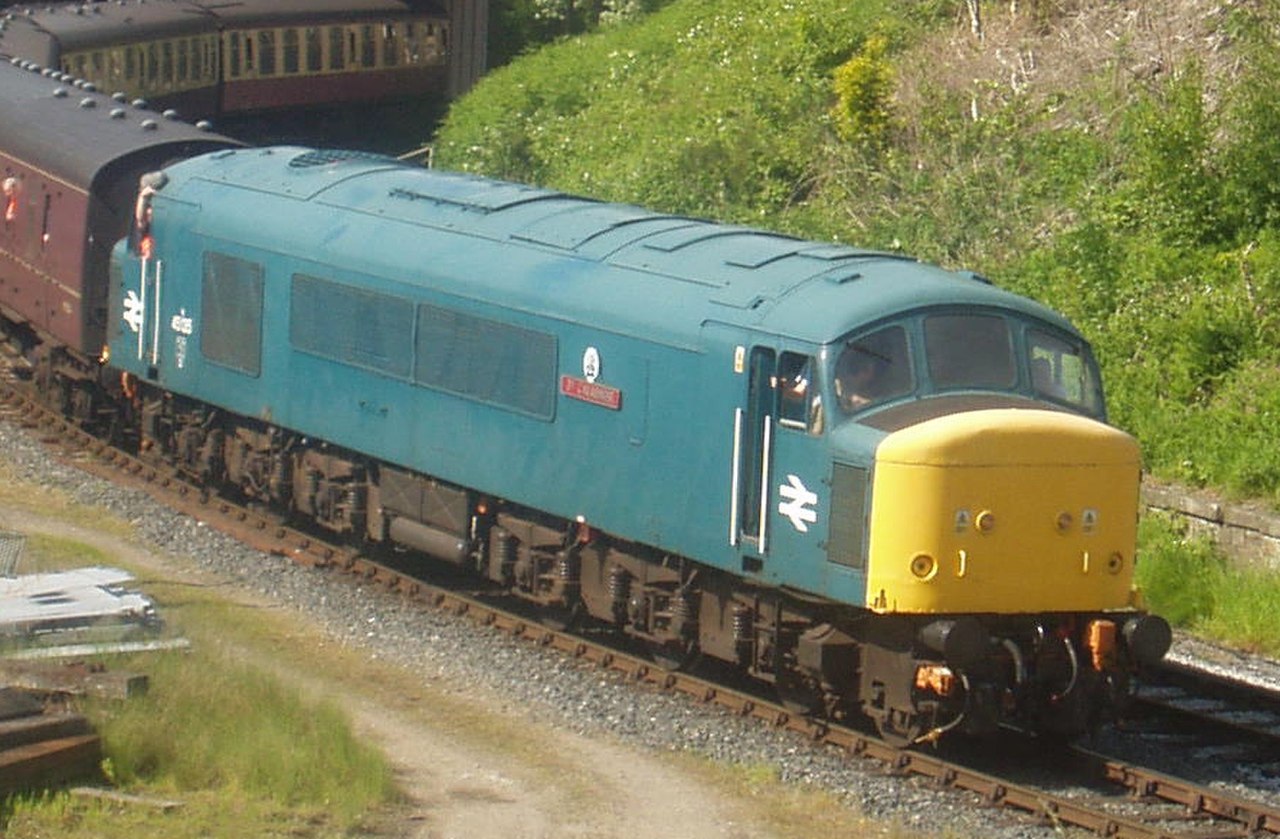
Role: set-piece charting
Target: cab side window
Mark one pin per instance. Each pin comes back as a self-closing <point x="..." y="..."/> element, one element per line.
<point x="799" y="402"/>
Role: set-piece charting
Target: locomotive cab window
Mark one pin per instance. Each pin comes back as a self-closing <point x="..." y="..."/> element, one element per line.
<point x="1059" y="371"/>
<point x="969" y="351"/>
<point x="873" y="369"/>
<point x="799" y="403"/>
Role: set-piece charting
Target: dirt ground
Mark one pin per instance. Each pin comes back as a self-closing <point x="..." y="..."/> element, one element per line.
<point x="461" y="789"/>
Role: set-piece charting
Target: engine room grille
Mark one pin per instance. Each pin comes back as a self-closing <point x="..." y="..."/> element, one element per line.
<point x="325" y="157"/>
<point x="846" y="540"/>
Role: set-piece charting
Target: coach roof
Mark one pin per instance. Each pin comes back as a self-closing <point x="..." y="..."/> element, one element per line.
<point x="72" y="132"/>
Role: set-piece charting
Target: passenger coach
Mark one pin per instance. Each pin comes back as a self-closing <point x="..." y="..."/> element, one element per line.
<point x="210" y="58"/>
<point x="71" y="162"/>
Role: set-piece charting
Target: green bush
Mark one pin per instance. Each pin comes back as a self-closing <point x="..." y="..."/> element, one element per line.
<point x="863" y="85"/>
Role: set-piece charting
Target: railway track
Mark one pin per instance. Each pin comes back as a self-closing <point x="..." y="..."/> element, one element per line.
<point x="1211" y="705"/>
<point x="1122" y="800"/>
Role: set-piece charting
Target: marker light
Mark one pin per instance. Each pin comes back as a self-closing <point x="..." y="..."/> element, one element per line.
<point x="924" y="566"/>
<point x="1115" y="562"/>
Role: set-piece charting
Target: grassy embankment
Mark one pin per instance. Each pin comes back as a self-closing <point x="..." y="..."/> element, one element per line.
<point x="1114" y="161"/>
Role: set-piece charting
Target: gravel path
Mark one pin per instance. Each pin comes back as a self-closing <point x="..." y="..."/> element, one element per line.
<point x="549" y="688"/>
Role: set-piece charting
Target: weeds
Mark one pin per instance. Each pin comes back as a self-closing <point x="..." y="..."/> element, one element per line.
<point x="1188" y="581"/>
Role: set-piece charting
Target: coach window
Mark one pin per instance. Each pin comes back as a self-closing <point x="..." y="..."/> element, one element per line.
<point x="315" y="49"/>
<point x="368" y="47"/>
<point x="115" y="67"/>
<point x="212" y="55"/>
<point x="289" y="52"/>
<point x="234" y="60"/>
<point x="153" y="66"/>
<point x="231" y="312"/>
<point x="390" y="45"/>
<point x="412" y="42"/>
<point x="184" y="62"/>
<point x="267" y="52"/>
<point x="337" y="48"/>
<point x="166" y="66"/>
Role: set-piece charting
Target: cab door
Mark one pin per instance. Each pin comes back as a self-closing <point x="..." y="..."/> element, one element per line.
<point x="752" y="453"/>
<point x="781" y="486"/>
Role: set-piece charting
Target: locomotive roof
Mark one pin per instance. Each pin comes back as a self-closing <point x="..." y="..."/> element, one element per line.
<point x="73" y="132"/>
<point x="663" y="275"/>
<point x="39" y="32"/>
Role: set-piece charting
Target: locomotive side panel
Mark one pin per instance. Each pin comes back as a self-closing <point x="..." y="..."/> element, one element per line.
<point x="576" y="421"/>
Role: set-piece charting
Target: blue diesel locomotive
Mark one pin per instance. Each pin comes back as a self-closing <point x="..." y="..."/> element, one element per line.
<point x="886" y="488"/>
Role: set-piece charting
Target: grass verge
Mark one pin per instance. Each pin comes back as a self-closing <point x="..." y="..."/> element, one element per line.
<point x="246" y="753"/>
<point x="1188" y="581"/>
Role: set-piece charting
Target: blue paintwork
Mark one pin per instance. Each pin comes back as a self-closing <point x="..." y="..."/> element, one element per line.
<point x="667" y="301"/>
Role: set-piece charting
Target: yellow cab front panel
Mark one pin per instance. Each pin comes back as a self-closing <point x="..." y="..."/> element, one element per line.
<point x="1003" y="511"/>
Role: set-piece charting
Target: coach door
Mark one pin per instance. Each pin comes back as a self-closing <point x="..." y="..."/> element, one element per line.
<point x="752" y="456"/>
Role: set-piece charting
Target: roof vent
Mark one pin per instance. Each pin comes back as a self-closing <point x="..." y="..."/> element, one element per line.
<point x="139" y="103"/>
<point x="121" y="97"/>
<point x="117" y="113"/>
<point x="204" y="125"/>
<point x="325" y="157"/>
<point x="88" y="102"/>
<point x="59" y="93"/>
<point x="150" y="125"/>
<point x="170" y="114"/>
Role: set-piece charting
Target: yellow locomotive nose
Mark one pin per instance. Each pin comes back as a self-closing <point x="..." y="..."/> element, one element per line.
<point x="1003" y="511"/>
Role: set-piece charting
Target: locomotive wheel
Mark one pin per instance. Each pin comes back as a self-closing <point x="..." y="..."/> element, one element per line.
<point x="799" y="695"/>
<point x="561" y="618"/>
<point x="899" y="729"/>
<point x="674" y="655"/>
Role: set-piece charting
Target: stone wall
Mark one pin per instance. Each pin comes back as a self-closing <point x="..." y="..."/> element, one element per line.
<point x="1248" y="533"/>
